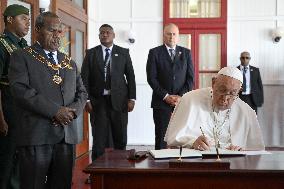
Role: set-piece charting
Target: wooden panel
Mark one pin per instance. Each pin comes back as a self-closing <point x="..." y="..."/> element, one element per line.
<point x="139" y="7"/>
<point x="34" y="13"/>
<point x="113" y="170"/>
<point x="280" y="7"/>
<point x="252" y="8"/>
<point x="141" y="127"/>
<point x="254" y="36"/>
<point x="70" y="8"/>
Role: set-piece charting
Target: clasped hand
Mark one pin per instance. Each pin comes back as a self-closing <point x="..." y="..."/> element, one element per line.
<point x="64" y="116"/>
<point x="172" y="100"/>
<point x="3" y="127"/>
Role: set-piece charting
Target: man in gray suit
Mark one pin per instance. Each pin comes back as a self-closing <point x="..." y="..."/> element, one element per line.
<point x="49" y="95"/>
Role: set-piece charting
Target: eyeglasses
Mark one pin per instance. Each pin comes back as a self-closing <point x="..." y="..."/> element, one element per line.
<point x="245" y="58"/>
<point x="227" y="95"/>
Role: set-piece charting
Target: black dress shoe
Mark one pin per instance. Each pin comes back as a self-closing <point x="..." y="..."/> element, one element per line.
<point x="88" y="180"/>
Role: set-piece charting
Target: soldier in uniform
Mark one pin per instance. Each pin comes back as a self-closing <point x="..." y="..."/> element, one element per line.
<point x="17" y="23"/>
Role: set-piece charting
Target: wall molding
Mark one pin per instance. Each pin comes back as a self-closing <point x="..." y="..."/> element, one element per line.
<point x="138" y="20"/>
<point x="273" y="82"/>
<point x="256" y="18"/>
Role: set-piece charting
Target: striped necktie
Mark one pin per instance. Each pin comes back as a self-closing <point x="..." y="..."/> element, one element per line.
<point x="51" y="58"/>
<point x="172" y="53"/>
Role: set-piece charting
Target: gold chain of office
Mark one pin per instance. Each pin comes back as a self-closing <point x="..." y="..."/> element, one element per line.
<point x="64" y="64"/>
<point x="218" y="124"/>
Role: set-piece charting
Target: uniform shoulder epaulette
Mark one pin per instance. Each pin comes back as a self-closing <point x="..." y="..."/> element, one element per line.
<point x="2" y="35"/>
<point x="9" y="47"/>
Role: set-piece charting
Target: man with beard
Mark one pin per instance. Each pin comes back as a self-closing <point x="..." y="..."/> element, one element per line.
<point x="49" y="95"/>
<point x="17" y="22"/>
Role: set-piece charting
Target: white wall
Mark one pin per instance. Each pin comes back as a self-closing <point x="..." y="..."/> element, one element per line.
<point x="249" y="26"/>
<point x="144" y="17"/>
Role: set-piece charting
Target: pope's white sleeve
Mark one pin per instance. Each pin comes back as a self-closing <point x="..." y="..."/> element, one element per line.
<point x="254" y="138"/>
<point x="178" y="124"/>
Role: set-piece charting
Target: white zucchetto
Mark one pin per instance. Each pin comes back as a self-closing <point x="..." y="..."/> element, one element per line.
<point x="232" y="72"/>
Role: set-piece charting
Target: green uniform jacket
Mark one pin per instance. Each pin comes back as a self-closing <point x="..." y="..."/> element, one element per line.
<point x="8" y="44"/>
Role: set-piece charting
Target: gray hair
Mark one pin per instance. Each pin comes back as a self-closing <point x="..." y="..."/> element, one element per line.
<point x="40" y="20"/>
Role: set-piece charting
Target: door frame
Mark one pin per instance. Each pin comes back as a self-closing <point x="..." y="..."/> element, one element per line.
<point x="33" y="14"/>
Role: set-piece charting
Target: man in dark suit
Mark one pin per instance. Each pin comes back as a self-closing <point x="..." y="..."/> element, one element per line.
<point x="109" y="78"/>
<point x="170" y="75"/>
<point x="17" y="22"/>
<point x="252" y="89"/>
<point x="49" y="94"/>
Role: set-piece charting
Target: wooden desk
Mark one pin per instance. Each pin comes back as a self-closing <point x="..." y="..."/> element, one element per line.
<point x="114" y="171"/>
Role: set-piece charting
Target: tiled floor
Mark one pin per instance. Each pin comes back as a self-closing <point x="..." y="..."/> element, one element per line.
<point x="79" y="176"/>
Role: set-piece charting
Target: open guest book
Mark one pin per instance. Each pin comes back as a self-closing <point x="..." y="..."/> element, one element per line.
<point x="191" y="153"/>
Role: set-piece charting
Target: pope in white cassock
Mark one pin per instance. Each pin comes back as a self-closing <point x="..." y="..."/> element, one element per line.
<point x="214" y="116"/>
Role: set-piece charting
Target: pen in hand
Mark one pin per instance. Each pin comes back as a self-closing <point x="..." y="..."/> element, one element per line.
<point x="180" y="152"/>
<point x="217" y="144"/>
<point x="202" y="131"/>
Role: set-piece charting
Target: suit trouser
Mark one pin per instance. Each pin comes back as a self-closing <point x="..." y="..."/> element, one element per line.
<point x="161" y="119"/>
<point x="107" y="122"/>
<point x="46" y="166"/>
<point x="248" y="99"/>
<point x="9" y="175"/>
<point x="8" y="164"/>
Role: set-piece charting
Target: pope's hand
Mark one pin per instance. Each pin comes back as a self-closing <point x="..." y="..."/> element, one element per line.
<point x="234" y="148"/>
<point x="201" y="143"/>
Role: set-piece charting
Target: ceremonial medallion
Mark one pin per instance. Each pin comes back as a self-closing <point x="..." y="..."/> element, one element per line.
<point x="57" y="79"/>
<point x="64" y="64"/>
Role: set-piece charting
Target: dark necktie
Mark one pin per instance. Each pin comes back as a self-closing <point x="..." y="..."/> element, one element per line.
<point x="244" y="86"/>
<point x="172" y="53"/>
<point x="107" y="69"/>
<point x="51" y="58"/>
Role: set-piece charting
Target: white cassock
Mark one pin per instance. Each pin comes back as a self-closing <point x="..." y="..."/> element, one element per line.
<point x="237" y="126"/>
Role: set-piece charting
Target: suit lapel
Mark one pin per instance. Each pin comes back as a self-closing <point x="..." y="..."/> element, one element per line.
<point x="251" y="70"/>
<point x="41" y="52"/>
<point x="166" y="53"/>
<point x="177" y="54"/>
<point x="114" y="58"/>
<point x="100" y="58"/>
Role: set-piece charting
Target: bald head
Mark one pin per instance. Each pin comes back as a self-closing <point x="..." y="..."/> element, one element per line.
<point x="171" y="35"/>
<point x="245" y="58"/>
